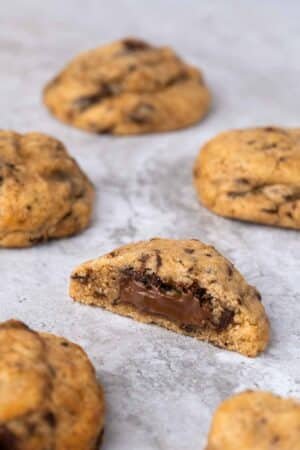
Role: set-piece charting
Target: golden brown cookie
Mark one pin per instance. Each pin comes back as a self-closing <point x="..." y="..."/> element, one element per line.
<point x="50" y="398"/>
<point x="252" y="175"/>
<point x="256" y="421"/>
<point x="183" y="285"/>
<point x="43" y="192"/>
<point x="128" y="87"/>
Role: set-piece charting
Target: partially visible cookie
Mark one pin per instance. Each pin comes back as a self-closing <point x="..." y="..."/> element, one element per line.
<point x="43" y="192"/>
<point x="50" y="398"/>
<point x="256" y="421"/>
<point x="128" y="87"/>
<point x="183" y="285"/>
<point x="252" y="175"/>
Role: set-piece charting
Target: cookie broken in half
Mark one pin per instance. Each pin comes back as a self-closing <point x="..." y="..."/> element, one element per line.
<point x="183" y="285"/>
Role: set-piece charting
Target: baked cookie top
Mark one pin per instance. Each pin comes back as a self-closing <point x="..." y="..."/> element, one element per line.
<point x="253" y="175"/>
<point x="50" y="398"/>
<point x="193" y="288"/>
<point x="256" y="420"/>
<point x="43" y="192"/>
<point x="128" y="87"/>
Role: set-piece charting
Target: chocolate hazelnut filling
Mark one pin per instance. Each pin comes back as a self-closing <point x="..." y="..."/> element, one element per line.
<point x="189" y="307"/>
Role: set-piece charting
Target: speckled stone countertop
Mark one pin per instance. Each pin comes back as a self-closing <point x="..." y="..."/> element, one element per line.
<point x="161" y="388"/>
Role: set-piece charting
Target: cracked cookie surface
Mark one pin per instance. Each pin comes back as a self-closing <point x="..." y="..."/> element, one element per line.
<point x="183" y="285"/>
<point x="128" y="87"/>
<point x="256" y="420"/>
<point x="50" y="398"/>
<point x="43" y="192"/>
<point x="252" y="175"/>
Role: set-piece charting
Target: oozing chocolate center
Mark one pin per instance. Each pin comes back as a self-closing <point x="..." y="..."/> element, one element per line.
<point x="188" y="307"/>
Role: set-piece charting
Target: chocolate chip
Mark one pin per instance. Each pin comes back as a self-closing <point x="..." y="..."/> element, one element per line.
<point x="230" y="271"/>
<point x="37" y="239"/>
<point x="50" y="418"/>
<point x="270" y="210"/>
<point x="84" y="279"/>
<point x="59" y="175"/>
<point x="189" y="328"/>
<point x="292" y="197"/>
<point x="134" y="45"/>
<point x="144" y="258"/>
<point x="242" y="181"/>
<point x="8" y="440"/>
<point x="225" y="319"/>
<point x="177" y="79"/>
<point x="99" y="439"/>
<point x="142" y="113"/>
<point x="158" y="260"/>
<point x="258" y="296"/>
<point x="235" y="194"/>
<point x="189" y="250"/>
<point x="86" y="101"/>
<point x="64" y="344"/>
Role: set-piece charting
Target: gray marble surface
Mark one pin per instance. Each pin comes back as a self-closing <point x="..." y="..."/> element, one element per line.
<point x="161" y="388"/>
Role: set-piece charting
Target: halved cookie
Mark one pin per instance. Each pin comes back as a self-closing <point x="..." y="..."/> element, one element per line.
<point x="43" y="192"/>
<point x="252" y="175"/>
<point x="256" y="420"/>
<point x="183" y="285"/>
<point x="50" y="398"/>
<point x="128" y="87"/>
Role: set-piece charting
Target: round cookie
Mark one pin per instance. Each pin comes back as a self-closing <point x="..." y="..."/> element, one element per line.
<point x="183" y="285"/>
<point x="50" y="398"/>
<point x="128" y="87"/>
<point x="256" y="420"/>
<point x="43" y="192"/>
<point x="252" y="175"/>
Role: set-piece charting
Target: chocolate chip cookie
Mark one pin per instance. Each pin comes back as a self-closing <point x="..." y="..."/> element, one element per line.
<point x="252" y="175"/>
<point x="50" y="398"/>
<point x="128" y="87"/>
<point x="43" y="192"/>
<point x="256" y="420"/>
<point x="183" y="285"/>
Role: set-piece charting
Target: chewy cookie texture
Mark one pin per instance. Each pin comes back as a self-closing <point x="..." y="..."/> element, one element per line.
<point x="128" y="87"/>
<point x="183" y="285"/>
<point x="252" y="175"/>
<point x="43" y="192"/>
<point x="50" y="398"/>
<point x="256" y="420"/>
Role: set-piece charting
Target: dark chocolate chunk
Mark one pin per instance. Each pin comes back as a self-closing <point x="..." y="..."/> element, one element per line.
<point x="225" y="319"/>
<point x="158" y="260"/>
<point x="84" y="279"/>
<point x="134" y="45"/>
<point x="99" y="439"/>
<point x="86" y="101"/>
<point x="270" y="210"/>
<point x="8" y="440"/>
<point x="50" y="419"/>
<point x="189" y="250"/>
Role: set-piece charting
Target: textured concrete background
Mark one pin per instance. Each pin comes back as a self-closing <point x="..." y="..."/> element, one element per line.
<point x="161" y="388"/>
